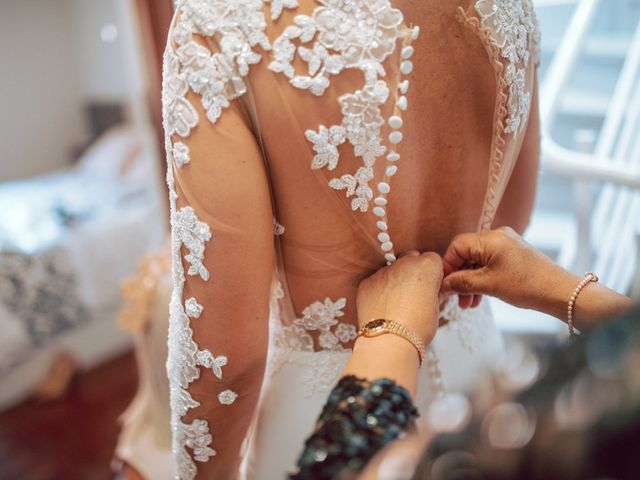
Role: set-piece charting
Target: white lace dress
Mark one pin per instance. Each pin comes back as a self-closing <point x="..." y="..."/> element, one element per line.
<point x="301" y="110"/>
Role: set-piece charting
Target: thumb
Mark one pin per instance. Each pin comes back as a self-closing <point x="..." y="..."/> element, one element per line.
<point x="467" y="282"/>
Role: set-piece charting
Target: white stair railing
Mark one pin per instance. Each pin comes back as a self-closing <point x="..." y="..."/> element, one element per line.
<point x="555" y="158"/>
<point x="614" y="163"/>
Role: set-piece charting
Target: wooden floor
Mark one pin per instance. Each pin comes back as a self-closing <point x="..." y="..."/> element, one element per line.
<point x="71" y="438"/>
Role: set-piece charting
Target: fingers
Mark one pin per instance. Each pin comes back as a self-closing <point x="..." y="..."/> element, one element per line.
<point x="469" y="301"/>
<point x="465" y="301"/>
<point x="432" y="262"/>
<point x="465" y="249"/>
<point x="477" y="299"/>
<point x="467" y="282"/>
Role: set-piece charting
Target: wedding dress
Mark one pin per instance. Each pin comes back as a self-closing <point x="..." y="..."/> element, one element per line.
<point x="309" y="143"/>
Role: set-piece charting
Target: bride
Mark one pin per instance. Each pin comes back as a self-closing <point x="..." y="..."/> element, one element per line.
<point x="309" y="143"/>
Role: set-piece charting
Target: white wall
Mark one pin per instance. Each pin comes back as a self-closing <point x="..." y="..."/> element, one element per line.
<point x="52" y="61"/>
<point x="40" y="106"/>
<point x="103" y="73"/>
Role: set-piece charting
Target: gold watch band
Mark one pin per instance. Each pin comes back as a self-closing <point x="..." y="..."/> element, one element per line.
<point x="380" y="326"/>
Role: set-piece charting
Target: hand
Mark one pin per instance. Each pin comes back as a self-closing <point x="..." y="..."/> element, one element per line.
<point x="406" y="292"/>
<point x="501" y="264"/>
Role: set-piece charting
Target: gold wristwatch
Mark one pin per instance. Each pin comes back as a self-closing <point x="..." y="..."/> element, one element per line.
<point x="380" y="326"/>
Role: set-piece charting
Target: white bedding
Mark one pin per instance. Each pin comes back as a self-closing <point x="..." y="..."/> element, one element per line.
<point x="66" y="241"/>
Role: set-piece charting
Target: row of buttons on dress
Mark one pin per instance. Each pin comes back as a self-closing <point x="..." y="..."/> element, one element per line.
<point x="395" y="122"/>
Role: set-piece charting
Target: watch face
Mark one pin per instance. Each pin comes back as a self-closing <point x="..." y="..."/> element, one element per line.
<point x="375" y="325"/>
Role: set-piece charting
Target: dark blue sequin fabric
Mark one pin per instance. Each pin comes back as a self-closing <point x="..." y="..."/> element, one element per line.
<point x="358" y="420"/>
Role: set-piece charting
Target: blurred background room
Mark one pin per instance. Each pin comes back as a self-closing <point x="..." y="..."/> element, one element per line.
<point x="84" y="281"/>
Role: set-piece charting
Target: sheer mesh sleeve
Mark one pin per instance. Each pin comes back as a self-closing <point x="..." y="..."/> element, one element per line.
<point x="222" y="231"/>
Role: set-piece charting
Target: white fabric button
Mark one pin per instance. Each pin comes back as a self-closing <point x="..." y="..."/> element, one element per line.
<point x="391" y="171"/>
<point x="406" y="67"/>
<point x="383" y="237"/>
<point x="393" y="157"/>
<point x="382" y="225"/>
<point x="379" y="212"/>
<point x="395" y="122"/>
<point x="402" y="103"/>
<point x="407" y="52"/>
<point x="404" y="86"/>
<point x="386" y="246"/>
<point x="390" y="257"/>
<point x="381" y="201"/>
<point x="415" y="33"/>
<point x="395" y="137"/>
<point x="384" y="187"/>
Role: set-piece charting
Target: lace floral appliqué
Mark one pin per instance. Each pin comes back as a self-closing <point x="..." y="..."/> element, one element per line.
<point x="322" y="319"/>
<point x="513" y="25"/>
<point x="339" y="35"/>
<point x="192" y="233"/>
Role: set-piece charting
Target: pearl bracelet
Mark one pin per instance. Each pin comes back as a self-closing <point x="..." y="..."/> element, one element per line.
<point x="588" y="278"/>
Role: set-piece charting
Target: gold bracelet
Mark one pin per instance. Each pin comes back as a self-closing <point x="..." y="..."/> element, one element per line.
<point x="588" y="278"/>
<point x="380" y="326"/>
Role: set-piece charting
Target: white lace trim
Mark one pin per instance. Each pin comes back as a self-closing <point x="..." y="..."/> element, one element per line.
<point x="514" y="28"/>
<point x="184" y="356"/>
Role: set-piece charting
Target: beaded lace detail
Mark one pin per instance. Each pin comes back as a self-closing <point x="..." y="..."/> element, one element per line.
<point x="513" y="25"/>
<point x="339" y="35"/>
<point x="216" y="77"/>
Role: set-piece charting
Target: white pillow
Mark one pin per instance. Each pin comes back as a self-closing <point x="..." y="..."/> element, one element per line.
<point x="109" y="155"/>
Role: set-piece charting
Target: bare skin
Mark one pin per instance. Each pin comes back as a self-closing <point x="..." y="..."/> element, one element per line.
<point x="442" y="178"/>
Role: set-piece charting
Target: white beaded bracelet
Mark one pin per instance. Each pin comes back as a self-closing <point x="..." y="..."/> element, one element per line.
<point x="588" y="278"/>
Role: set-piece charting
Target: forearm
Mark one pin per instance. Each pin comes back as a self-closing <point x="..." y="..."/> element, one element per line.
<point x="386" y="356"/>
<point x="508" y="268"/>
<point x="594" y="303"/>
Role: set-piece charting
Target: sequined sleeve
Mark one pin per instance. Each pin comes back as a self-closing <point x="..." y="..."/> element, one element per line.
<point x="358" y="420"/>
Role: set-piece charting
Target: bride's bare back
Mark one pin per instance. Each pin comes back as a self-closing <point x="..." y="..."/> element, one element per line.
<point x="360" y="137"/>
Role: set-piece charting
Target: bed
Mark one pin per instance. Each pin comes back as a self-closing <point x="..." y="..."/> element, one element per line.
<point x="66" y="241"/>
